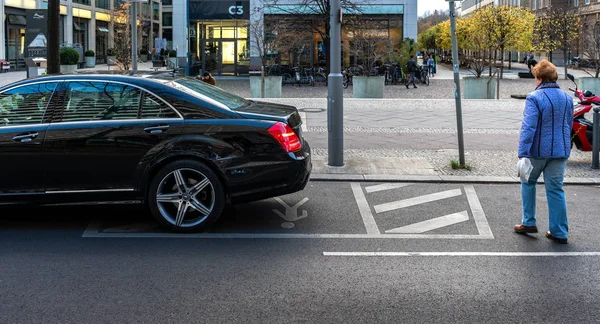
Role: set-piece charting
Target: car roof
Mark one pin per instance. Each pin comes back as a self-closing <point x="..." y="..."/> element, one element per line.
<point x="147" y="79"/>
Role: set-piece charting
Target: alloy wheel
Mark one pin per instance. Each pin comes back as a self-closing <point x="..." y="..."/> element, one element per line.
<point x="185" y="197"/>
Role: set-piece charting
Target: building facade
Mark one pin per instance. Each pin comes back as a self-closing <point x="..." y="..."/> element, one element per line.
<point x="84" y="24"/>
<point x="217" y="35"/>
<point x="469" y="6"/>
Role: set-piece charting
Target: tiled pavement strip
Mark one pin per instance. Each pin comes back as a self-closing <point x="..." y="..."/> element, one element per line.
<point x="409" y="136"/>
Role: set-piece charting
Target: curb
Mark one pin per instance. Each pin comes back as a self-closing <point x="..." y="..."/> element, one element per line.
<point x="440" y="179"/>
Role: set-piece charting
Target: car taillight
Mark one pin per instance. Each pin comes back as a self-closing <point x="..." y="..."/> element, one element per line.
<point x="286" y="137"/>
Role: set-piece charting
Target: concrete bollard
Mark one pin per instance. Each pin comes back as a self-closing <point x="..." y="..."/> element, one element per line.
<point x="596" y="140"/>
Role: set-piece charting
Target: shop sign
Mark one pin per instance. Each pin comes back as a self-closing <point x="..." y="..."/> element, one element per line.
<point x="36" y="34"/>
<point x="217" y="9"/>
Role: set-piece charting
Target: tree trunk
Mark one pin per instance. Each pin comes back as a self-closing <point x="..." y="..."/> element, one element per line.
<point x="262" y="81"/>
<point x="490" y="62"/>
<point x="53" y="37"/>
<point x="565" y="54"/>
<point x="509" y="60"/>
<point x="502" y="62"/>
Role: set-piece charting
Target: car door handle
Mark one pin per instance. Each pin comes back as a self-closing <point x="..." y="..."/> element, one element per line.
<point x="25" y="137"/>
<point x="156" y="129"/>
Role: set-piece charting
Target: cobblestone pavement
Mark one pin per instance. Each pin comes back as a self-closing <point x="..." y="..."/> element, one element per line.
<point x="483" y="162"/>
<point x="409" y="124"/>
<point x="438" y="89"/>
<point x="10" y="77"/>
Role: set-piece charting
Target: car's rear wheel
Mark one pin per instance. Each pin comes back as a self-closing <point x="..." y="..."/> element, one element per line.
<point x="186" y="196"/>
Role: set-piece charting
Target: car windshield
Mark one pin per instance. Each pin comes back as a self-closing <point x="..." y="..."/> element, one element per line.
<point x="196" y="87"/>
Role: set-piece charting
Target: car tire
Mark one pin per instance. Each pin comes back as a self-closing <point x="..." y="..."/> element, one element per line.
<point x="186" y="196"/>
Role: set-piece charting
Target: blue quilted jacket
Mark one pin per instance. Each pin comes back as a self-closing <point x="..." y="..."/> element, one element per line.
<point x="547" y="122"/>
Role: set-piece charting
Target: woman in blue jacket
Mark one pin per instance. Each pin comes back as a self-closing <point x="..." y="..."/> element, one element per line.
<point x="546" y="140"/>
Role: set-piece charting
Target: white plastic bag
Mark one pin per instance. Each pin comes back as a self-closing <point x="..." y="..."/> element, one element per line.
<point x="524" y="169"/>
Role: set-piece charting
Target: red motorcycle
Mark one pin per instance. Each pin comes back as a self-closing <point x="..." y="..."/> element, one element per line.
<point x="582" y="131"/>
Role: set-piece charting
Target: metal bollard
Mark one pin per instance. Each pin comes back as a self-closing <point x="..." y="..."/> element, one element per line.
<point x="596" y="140"/>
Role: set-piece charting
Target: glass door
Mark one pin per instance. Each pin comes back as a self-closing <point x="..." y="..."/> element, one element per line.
<point x="15" y="47"/>
<point x="228" y="57"/>
<point x="212" y="57"/>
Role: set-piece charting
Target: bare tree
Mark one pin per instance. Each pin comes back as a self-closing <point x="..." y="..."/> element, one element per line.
<point x="368" y="43"/>
<point x="315" y="14"/>
<point x="122" y="38"/>
<point x="590" y="43"/>
<point x="557" y="29"/>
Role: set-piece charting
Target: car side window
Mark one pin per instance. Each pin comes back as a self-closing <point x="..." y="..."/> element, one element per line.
<point x="87" y="101"/>
<point x="25" y="105"/>
<point x="152" y="107"/>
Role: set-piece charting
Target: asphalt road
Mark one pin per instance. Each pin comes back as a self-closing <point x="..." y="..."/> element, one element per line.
<point x="112" y="265"/>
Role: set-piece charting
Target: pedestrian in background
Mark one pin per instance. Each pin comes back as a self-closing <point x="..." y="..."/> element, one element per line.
<point x="545" y="139"/>
<point x="208" y="78"/>
<point x="430" y="65"/>
<point x="412" y="69"/>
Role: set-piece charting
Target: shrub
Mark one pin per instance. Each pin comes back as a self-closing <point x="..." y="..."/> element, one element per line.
<point x="144" y="51"/>
<point x="110" y="52"/>
<point x="90" y="53"/>
<point x="69" y="56"/>
<point x="172" y="53"/>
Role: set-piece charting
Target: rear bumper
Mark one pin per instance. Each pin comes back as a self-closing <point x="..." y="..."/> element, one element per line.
<point x="279" y="179"/>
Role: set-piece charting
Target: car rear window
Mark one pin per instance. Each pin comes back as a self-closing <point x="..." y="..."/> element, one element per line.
<point x="207" y="91"/>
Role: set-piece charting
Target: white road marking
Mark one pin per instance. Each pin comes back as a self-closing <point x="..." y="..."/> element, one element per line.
<point x="386" y="186"/>
<point x="431" y="224"/>
<point x="478" y="214"/>
<point x="364" y="209"/>
<point x="417" y="200"/>
<point x="291" y="212"/>
<point x="462" y="254"/>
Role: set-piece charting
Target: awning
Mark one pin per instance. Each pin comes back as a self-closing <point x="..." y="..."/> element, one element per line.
<point x="102" y="29"/>
<point x="17" y="20"/>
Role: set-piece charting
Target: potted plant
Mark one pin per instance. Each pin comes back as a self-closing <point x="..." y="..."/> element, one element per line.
<point x="144" y="55"/>
<point x="370" y="49"/>
<point x="69" y="57"/>
<point x="90" y="59"/>
<point x="111" y="56"/>
<point x="479" y="45"/>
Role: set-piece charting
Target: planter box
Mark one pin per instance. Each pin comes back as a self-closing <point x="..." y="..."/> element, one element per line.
<point x="68" y="68"/>
<point x="368" y="87"/>
<point x="272" y="86"/>
<point x="478" y="88"/>
<point x="90" y="61"/>
<point x="590" y="83"/>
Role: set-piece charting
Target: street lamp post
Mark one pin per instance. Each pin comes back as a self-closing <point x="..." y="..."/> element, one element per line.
<point x="335" y="104"/>
<point x="134" y="33"/>
<point x="456" y="66"/>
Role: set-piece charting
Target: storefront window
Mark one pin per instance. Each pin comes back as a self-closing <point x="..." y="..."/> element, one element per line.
<point x="83" y="2"/>
<point x="167" y="2"/>
<point x="104" y="4"/>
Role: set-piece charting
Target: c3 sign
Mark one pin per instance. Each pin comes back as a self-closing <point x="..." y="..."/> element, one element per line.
<point x="236" y="10"/>
<point x="219" y="9"/>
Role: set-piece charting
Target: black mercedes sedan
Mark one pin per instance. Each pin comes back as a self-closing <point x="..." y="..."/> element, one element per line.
<point x="183" y="147"/>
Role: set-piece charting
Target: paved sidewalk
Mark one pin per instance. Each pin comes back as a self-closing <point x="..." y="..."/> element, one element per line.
<point x="400" y="138"/>
<point x="404" y="138"/>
